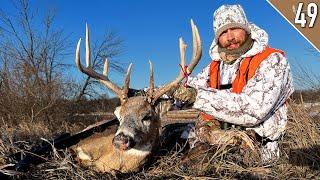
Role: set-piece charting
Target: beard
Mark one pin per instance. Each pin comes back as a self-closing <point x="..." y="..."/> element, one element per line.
<point x="234" y="49"/>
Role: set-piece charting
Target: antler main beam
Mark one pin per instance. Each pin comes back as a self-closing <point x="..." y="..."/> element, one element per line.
<point x="196" y="55"/>
<point x="103" y="78"/>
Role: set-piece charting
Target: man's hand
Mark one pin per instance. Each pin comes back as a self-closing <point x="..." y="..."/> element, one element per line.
<point x="187" y="70"/>
<point x="185" y="94"/>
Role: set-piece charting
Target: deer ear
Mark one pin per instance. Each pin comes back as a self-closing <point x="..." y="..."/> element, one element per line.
<point x="117" y="112"/>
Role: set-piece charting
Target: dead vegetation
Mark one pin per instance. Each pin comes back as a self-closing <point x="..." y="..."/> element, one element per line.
<point x="300" y="149"/>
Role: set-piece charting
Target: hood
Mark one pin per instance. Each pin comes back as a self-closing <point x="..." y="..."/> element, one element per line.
<point x="259" y="36"/>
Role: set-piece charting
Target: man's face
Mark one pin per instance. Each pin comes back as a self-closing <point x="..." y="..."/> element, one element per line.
<point x="232" y="38"/>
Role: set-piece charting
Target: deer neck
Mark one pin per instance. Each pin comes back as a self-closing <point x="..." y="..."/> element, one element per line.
<point x="142" y="151"/>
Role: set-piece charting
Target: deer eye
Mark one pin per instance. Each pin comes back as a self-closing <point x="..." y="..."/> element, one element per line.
<point x="146" y="118"/>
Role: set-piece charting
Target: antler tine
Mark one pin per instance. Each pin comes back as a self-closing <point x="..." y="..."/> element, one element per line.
<point x="126" y="83"/>
<point x="197" y="52"/>
<point x="90" y="72"/>
<point x="106" y="67"/>
<point x="151" y="88"/>
<point x="121" y="93"/>
<point x="183" y="48"/>
<point x="88" y="54"/>
<point x="78" y="56"/>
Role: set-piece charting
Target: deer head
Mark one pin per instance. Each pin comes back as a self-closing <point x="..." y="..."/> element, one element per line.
<point x="139" y="123"/>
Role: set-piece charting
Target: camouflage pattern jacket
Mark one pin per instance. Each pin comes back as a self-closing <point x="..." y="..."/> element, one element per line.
<point x="261" y="105"/>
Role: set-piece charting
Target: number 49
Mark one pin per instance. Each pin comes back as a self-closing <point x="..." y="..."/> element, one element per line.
<point x="312" y="12"/>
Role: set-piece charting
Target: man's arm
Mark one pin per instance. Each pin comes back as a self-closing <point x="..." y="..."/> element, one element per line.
<point x="200" y="80"/>
<point x="261" y="97"/>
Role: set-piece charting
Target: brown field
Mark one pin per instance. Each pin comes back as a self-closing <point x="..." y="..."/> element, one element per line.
<point x="300" y="151"/>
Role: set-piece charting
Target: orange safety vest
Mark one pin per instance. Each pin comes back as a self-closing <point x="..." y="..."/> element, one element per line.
<point x="246" y="71"/>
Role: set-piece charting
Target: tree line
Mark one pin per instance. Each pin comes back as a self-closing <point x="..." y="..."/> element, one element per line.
<point x="34" y="80"/>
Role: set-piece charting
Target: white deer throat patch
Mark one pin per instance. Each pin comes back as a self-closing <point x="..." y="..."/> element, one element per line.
<point x="143" y="151"/>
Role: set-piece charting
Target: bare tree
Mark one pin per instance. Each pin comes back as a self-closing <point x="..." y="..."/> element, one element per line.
<point x="31" y="60"/>
<point x="314" y="52"/>
<point x="305" y="78"/>
<point x="32" y="67"/>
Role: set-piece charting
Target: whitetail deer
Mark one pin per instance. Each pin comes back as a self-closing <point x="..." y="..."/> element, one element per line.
<point x="126" y="148"/>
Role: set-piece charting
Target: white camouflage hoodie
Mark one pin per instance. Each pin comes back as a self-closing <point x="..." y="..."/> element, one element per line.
<point x="261" y="105"/>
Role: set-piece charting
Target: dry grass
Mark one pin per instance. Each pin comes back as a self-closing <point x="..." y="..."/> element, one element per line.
<point x="300" y="149"/>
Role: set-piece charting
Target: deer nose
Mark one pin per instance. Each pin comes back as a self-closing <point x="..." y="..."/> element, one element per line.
<point x="123" y="142"/>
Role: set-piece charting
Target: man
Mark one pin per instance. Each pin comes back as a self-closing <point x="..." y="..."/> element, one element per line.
<point x="247" y="83"/>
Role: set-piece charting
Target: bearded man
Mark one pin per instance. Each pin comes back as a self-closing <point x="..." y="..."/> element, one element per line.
<point x="245" y="86"/>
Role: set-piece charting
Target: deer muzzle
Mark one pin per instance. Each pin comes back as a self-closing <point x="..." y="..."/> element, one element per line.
<point x="123" y="142"/>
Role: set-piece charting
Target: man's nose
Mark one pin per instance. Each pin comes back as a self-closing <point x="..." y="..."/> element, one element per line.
<point x="229" y="35"/>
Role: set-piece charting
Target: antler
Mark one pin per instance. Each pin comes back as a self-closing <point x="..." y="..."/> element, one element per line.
<point x="103" y="78"/>
<point x="151" y="84"/>
<point x="196" y="55"/>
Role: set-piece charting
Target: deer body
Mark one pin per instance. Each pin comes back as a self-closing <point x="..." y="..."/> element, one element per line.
<point x="127" y="147"/>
